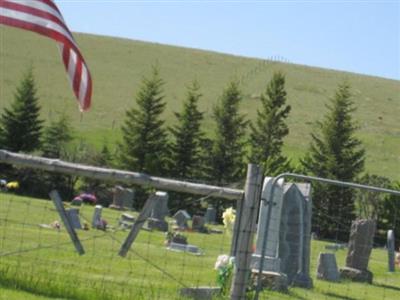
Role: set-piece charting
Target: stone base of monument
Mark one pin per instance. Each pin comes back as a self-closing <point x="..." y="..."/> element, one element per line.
<point x="356" y="275"/>
<point x="271" y="280"/>
<point x="184" y="248"/>
<point x="157" y="224"/>
<point x="270" y="264"/>
<point x="302" y="280"/>
<point x="116" y="207"/>
<point x="200" y="293"/>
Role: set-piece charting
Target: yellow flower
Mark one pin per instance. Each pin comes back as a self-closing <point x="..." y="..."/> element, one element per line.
<point x="13" y="185"/>
<point x="228" y="218"/>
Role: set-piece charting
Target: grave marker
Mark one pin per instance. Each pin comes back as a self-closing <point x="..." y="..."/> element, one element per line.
<point x="327" y="267"/>
<point x="391" y="250"/>
<point x="360" y="246"/>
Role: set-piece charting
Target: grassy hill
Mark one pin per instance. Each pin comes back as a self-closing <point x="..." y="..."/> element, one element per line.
<point x="117" y="66"/>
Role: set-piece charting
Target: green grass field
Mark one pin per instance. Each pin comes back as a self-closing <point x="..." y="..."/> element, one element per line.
<point x="117" y="66"/>
<point x="40" y="263"/>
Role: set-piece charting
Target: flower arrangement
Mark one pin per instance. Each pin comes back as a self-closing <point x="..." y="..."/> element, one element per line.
<point x="224" y="266"/>
<point x="228" y="218"/>
<point x="175" y="237"/>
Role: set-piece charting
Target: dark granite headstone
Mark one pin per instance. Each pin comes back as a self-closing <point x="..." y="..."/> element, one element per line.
<point x="327" y="267"/>
<point x="198" y="223"/>
<point x="73" y="217"/>
<point x="211" y="215"/>
<point x="360" y="246"/>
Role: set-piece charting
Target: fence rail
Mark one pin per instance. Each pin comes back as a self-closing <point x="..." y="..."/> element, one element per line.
<point x="59" y="166"/>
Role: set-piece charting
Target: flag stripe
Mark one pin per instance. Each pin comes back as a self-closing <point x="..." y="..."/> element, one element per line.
<point x="43" y="17"/>
<point x="36" y="21"/>
<point x="36" y="9"/>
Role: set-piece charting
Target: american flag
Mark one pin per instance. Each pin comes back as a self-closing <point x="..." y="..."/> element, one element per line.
<point x="43" y="17"/>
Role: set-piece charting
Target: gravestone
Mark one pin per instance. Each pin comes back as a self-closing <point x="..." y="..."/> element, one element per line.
<point x="73" y="217"/>
<point x="271" y="259"/>
<point x="289" y="235"/>
<point x="96" y="220"/>
<point x="127" y="198"/>
<point x="360" y="246"/>
<point x="184" y="248"/>
<point x="159" y="212"/>
<point x="126" y="221"/>
<point x="391" y="250"/>
<point x="118" y="191"/>
<point x="198" y="223"/>
<point x="211" y="215"/>
<point x="270" y="280"/>
<point x="122" y="198"/>
<point x="182" y="217"/>
<point x="127" y="218"/>
<point x="327" y="267"/>
<point x="295" y="234"/>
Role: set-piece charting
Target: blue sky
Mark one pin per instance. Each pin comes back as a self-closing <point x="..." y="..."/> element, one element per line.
<point x="357" y="36"/>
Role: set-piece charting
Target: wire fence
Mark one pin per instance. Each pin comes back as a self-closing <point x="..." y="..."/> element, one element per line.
<point x="37" y="255"/>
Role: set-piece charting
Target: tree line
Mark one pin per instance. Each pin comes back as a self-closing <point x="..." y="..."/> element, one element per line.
<point x="184" y="151"/>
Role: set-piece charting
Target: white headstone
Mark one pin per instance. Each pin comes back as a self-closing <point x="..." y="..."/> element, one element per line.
<point x="96" y="220"/>
<point x="391" y="250"/>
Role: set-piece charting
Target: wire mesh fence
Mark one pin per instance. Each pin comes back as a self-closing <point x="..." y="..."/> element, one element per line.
<point x="299" y="262"/>
<point x="37" y="254"/>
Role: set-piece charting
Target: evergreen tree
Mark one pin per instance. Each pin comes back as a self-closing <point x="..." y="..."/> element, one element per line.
<point x="144" y="144"/>
<point x="20" y="126"/>
<point x="336" y="154"/>
<point x="187" y="138"/>
<point x="266" y="137"/>
<point x="56" y="138"/>
<point x="228" y="146"/>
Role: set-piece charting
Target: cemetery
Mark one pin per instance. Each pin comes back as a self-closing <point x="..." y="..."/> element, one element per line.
<point x="172" y="256"/>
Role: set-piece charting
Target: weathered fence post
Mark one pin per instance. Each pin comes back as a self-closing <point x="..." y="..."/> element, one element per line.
<point x="246" y="228"/>
<point x="144" y="214"/>
<point x="68" y="226"/>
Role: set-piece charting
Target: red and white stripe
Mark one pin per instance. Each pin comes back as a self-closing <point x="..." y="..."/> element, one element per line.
<point x="43" y="17"/>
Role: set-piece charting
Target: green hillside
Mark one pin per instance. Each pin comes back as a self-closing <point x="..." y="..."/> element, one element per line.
<point x="117" y="66"/>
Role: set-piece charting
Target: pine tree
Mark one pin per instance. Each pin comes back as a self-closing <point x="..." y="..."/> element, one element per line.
<point x="20" y="126"/>
<point x="187" y="138"/>
<point x="56" y="138"/>
<point x="228" y="146"/>
<point x="335" y="153"/>
<point x="144" y="144"/>
<point x="266" y="137"/>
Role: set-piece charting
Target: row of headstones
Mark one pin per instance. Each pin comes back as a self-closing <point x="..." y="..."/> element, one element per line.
<point x="285" y="254"/>
<point x="158" y="214"/>
<point x="123" y="198"/>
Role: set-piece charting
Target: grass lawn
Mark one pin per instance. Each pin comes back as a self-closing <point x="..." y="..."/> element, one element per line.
<point x="40" y="263"/>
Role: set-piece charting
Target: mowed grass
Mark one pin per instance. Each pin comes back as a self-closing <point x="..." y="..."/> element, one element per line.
<point x="40" y="263"/>
<point x="117" y="66"/>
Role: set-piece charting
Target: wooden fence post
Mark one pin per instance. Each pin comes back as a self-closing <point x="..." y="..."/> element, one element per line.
<point x="246" y="228"/>
<point x="144" y="214"/>
<point x="70" y="229"/>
